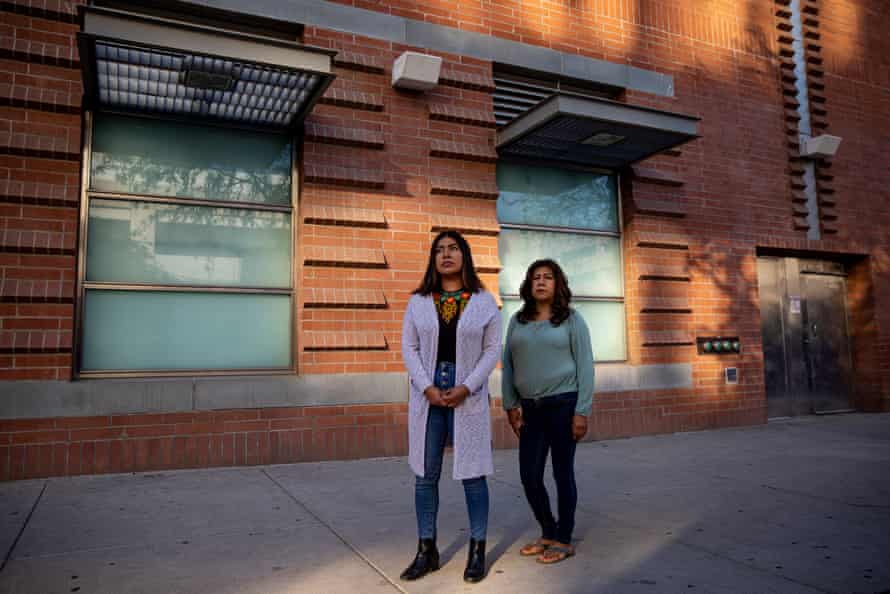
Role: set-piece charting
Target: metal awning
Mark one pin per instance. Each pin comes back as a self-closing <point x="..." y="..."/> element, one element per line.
<point x="136" y="62"/>
<point x="591" y="131"/>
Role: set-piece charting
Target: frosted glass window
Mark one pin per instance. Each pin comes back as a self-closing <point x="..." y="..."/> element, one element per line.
<point x="143" y="330"/>
<point x="167" y="244"/>
<point x="605" y="320"/>
<point x="163" y="158"/>
<point x="556" y="198"/>
<point x="592" y="263"/>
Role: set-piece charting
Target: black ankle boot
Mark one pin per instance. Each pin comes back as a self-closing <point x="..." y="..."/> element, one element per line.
<point x="475" y="570"/>
<point x="427" y="560"/>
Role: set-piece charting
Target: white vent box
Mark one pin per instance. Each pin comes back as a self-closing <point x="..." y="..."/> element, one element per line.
<point x="416" y="71"/>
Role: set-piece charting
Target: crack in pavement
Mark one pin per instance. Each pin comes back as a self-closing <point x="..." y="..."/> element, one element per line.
<point x="22" y="529"/>
<point x="339" y="536"/>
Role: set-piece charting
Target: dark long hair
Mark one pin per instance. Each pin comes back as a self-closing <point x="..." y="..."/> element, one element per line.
<point x="432" y="282"/>
<point x="562" y="296"/>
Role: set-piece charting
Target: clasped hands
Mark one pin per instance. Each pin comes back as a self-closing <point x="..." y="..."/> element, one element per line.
<point x="579" y="423"/>
<point x="450" y="398"/>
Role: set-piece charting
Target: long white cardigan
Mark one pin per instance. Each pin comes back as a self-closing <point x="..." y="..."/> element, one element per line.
<point x="478" y="351"/>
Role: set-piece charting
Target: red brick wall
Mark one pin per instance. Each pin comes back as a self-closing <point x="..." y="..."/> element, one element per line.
<point x="857" y="83"/>
<point x="40" y="136"/>
<point x="728" y="194"/>
<point x="36" y="448"/>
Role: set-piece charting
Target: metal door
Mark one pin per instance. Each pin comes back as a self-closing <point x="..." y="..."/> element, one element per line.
<point x="806" y="347"/>
<point x="772" y="324"/>
<point x="826" y="341"/>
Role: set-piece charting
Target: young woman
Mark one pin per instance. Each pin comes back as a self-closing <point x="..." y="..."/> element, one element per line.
<point x="548" y="393"/>
<point x="450" y="345"/>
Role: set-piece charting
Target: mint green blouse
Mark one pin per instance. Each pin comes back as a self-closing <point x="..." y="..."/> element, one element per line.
<point x="540" y="360"/>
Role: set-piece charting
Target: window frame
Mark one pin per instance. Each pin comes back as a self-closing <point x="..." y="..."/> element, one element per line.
<point x="619" y="235"/>
<point x="82" y="285"/>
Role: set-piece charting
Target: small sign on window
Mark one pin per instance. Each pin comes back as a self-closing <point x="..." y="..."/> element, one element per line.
<point x="794" y="304"/>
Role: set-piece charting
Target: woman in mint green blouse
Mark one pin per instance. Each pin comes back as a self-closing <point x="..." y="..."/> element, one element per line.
<point x="547" y="391"/>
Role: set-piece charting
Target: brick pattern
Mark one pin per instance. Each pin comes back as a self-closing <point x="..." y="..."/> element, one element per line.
<point x="69" y="446"/>
<point x="33" y="448"/>
<point x="408" y="199"/>
<point x="38" y="40"/>
<point x="14" y="290"/>
<point x="461" y="150"/>
<point x="350" y="298"/>
<point x="343" y="176"/>
<point x="38" y="134"/>
<point x="344" y="341"/>
<point x="671" y="241"/>
<point x="63" y="11"/>
<point x="14" y="341"/>
<point x="343" y="256"/>
<point x="474" y="81"/>
<point x="466" y="225"/>
<point x="648" y="175"/>
<point x="487" y="262"/>
<point x="343" y="215"/>
<point x="663" y="272"/>
<point x="667" y="208"/>
<point x="342" y="135"/>
<point x="359" y="61"/>
<point x="460" y="187"/>
<point x="26" y="84"/>
<point x="337" y="95"/>
<point x="667" y="337"/>
<point x="471" y="117"/>
<point x="661" y="304"/>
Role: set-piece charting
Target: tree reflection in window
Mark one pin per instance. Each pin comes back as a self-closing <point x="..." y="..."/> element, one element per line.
<point x="556" y="198"/>
<point x="162" y="158"/>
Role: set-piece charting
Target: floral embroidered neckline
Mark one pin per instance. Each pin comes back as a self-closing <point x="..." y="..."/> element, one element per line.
<point x="451" y="303"/>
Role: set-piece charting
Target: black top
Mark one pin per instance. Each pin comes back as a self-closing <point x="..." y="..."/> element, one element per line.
<point x="447" y="340"/>
<point x="449" y="316"/>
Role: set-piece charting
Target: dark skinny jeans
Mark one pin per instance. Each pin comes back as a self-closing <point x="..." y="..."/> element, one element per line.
<point x="548" y="428"/>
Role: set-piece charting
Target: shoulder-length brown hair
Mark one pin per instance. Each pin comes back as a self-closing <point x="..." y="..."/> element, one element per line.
<point x="562" y="296"/>
<point x="432" y="281"/>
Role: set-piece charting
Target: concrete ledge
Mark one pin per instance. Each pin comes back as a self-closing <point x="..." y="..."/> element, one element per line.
<point x="368" y="23"/>
<point x="43" y="399"/>
<point x="34" y="399"/>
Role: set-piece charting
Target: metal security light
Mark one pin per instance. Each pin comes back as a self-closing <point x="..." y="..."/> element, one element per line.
<point x="142" y="63"/>
<point x="821" y="147"/>
<point x="603" y="139"/>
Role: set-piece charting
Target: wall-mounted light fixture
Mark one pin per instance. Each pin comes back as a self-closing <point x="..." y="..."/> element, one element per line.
<point x="821" y="147"/>
<point x="719" y="345"/>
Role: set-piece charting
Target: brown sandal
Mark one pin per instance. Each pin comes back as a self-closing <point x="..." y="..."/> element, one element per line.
<point x="555" y="553"/>
<point x="536" y="548"/>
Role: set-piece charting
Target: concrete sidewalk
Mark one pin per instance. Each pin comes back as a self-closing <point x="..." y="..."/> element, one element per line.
<point x="793" y="506"/>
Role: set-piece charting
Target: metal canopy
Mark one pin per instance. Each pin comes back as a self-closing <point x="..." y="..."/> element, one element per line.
<point x="147" y="64"/>
<point x="590" y="131"/>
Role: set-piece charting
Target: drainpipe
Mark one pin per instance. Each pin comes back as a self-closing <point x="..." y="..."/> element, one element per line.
<point x="803" y="110"/>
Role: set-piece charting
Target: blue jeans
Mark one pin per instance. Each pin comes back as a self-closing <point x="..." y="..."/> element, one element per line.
<point x="439" y="425"/>
<point x="548" y="428"/>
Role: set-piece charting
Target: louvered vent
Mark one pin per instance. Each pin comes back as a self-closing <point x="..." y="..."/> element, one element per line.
<point x="516" y="94"/>
<point x="513" y="96"/>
